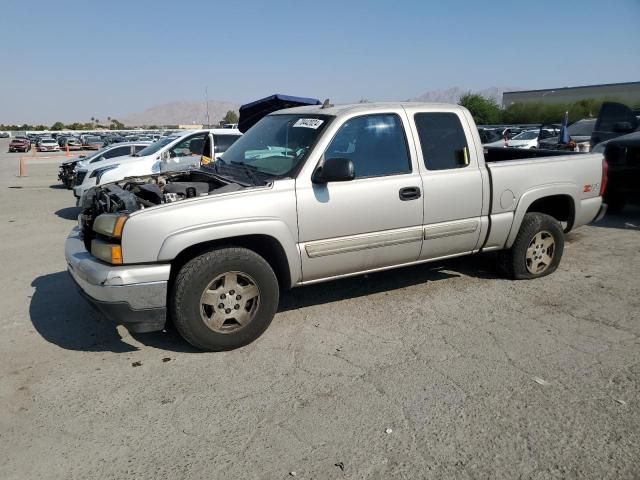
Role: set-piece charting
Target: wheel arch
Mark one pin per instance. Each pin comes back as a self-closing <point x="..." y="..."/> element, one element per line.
<point x="559" y="201"/>
<point x="264" y="245"/>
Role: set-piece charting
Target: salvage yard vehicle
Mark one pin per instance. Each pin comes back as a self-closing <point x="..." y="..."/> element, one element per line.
<point x="92" y="142"/>
<point x="317" y="193"/>
<point x="69" y="143"/>
<point x="617" y="135"/>
<point x="68" y="168"/>
<point x="20" y="144"/>
<point x="580" y="132"/>
<point x="530" y="138"/>
<point x="177" y="152"/>
<point x="47" y="144"/>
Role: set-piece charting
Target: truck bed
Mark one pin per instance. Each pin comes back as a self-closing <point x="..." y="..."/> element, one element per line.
<point x="574" y="177"/>
<point x="501" y="154"/>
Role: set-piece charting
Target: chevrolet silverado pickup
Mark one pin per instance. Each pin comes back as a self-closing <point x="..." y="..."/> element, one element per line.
<point x="316" y="193"/>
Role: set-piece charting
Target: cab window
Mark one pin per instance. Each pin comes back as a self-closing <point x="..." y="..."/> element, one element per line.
<point x="376" y="144"/>
<point x="443" y="141"/>
<point x="190" y="146"/>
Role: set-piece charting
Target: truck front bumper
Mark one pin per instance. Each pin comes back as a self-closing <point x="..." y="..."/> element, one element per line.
<point x="134" y="296"/>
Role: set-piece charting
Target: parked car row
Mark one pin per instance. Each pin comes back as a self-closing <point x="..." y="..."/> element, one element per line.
<point x="74" y="141"/>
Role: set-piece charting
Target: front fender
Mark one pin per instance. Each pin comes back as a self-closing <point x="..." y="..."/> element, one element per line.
<point x="180" y="240"/>
<point x="530" y="196"/>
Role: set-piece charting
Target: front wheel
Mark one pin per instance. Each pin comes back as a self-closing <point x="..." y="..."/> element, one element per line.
<point x="224" y="299"/>
<point x="537" y="249"/>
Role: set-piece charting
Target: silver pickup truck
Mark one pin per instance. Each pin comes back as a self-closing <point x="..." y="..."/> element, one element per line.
<point x="311" y="194"/>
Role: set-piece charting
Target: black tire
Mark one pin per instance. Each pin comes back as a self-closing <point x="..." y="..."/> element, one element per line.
<point x="194" y="277"/>
<point x="514" y="263"/>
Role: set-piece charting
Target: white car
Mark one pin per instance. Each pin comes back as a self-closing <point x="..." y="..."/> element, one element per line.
<point x="48" y="145"/>
<point x="529" y="138"/>
<point x="182" y="151"/>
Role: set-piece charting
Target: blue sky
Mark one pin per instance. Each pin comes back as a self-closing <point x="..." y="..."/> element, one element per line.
<point x="70" y="60"/>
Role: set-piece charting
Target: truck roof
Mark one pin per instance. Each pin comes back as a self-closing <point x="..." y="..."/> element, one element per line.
<point x="336" y="110"/>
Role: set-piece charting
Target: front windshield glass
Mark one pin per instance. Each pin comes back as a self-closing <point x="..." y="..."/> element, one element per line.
<point x="93" y="139"/>
<point x="155" y="147"/>
<point x="276" y="144"/>
<point x="530" y="135"/>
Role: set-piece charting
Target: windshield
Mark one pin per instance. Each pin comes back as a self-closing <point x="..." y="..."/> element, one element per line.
<point x="276" y="144"/>
<point x="156" y="147"/>
<point x="93" y="139"/>
<point x="530" y="135"/>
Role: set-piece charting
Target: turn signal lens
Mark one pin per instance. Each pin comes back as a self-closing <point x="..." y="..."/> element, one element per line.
<point x="107" y="252"/>
<point x="110" y="224"/>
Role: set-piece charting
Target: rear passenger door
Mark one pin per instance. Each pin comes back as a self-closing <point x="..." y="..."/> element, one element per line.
<point x="452" y="184"/>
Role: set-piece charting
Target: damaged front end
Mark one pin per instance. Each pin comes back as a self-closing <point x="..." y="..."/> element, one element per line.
<point x="138" y="193"/>
<point x="67" y="175"/>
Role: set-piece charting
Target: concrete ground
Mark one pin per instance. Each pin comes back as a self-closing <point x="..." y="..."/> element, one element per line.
<point x="438" y="371"/>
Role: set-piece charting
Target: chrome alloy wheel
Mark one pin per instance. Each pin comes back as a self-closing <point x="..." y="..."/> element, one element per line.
<point x="229" y="302"/>
<point x="540" y="252"/>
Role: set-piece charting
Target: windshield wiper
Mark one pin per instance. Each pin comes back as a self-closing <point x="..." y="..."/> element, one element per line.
<point x="214" y="170"/>
<point x="249" y="172"/>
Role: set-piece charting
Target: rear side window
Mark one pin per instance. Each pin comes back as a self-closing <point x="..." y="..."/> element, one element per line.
<point x="223" y="142"/>
<point x="443" y="142"/>
<point x="137" y="148"/>
<point x="376" y="144"/>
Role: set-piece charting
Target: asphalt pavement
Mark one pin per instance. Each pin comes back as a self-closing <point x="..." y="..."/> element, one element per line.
<point x="443" y="370"/>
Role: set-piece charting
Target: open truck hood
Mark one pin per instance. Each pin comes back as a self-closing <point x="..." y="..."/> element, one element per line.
<point x="251" y="113"/>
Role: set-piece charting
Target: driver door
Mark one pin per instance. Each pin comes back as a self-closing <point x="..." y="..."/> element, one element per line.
<point x="372" y="221"/>
<point x="185" y="155"/>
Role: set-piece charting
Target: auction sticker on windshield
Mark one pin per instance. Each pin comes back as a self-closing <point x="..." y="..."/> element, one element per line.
<point x="308" y="123"/>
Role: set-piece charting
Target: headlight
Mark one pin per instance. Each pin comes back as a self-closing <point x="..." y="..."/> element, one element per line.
<point x="110" y="224"/>
<point x="98" y="172"/>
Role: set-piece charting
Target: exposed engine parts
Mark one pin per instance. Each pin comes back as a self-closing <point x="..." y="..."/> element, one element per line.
<point x="138" y="193"/>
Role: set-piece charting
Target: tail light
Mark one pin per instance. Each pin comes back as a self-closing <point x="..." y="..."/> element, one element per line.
<point x="605" y="176"/>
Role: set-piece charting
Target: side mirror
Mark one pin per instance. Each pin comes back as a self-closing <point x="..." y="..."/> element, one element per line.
<point x="334" y="170"/>
<point x="622" y="127"/>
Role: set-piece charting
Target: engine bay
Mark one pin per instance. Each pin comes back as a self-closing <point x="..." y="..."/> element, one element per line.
<point x="134" y="194"/>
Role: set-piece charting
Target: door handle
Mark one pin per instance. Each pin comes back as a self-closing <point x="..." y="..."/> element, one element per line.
<point x="409" y="193"/>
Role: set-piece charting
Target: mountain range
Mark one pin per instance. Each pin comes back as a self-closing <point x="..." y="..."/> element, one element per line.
<point x="181" y="113"/>
<point x="191" y="112"/>
<point x="452" y="95"/>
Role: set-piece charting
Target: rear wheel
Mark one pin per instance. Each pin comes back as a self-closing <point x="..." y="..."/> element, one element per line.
<point x="537" y="249"/>
<point x="224" y="299"/>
